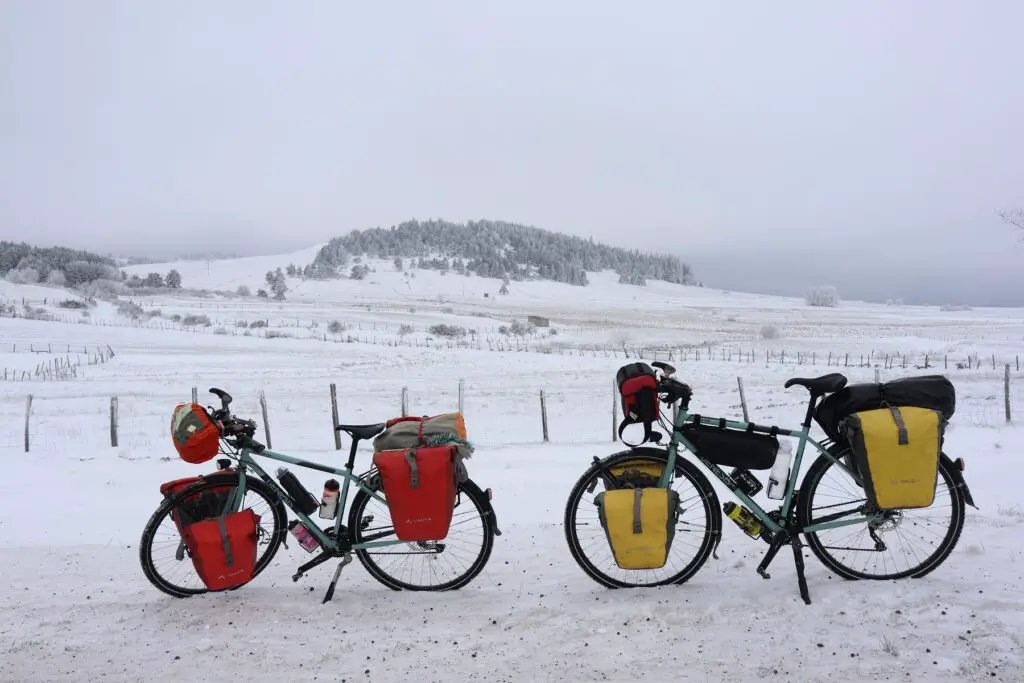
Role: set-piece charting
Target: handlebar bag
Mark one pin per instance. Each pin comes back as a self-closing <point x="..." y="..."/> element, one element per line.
<point x="419" y="488"/>
<point x="897" y="450"/>
<point x="638" y="391"/>
<point x="195" y="435"/>
<point x="223" y="549"/>
<point x="639" y="524"/>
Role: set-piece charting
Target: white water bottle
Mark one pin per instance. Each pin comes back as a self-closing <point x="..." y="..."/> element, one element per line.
<point x="779" y="476"/>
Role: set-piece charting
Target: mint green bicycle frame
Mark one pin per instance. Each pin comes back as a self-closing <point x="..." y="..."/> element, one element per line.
<point x="803" y="437"/>
<point x="245" y="461"/>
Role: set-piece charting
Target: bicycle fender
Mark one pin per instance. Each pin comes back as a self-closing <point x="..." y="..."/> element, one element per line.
<point x="472" y="485"/>
<point x="958" y="478"/>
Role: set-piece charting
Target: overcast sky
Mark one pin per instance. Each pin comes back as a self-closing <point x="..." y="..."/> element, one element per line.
<point x="876" y="138"/>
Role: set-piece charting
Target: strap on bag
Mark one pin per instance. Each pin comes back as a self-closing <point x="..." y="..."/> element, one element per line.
<point x="225" y="543"/>
<point x="637" y="526"/>
<point x="904" y="437"/>
<point x="414" y="472"/>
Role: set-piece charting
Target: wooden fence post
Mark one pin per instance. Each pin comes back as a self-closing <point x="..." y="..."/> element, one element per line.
<point x="743" y="399"/>
<point x="28" y="412"/>
<point x="876" y="376"/>
<point x="266" y="420"/>
<point x="462" y="384"/>
<point x="1006" y="390"/>
<point x="334" y="417"/>
<point x="195" y="395"/>
<point x="544" y="415"/>
<point x="113" y="421"/>
<point x="405" y="401"/>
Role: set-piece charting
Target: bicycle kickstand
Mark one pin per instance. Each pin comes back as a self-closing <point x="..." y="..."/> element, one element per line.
<point x="347" y="559"/>
<point x="798" y="556"/>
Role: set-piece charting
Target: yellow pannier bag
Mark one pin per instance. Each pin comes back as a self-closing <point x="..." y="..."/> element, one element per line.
<point x="896" y="450"/>
<point x="640" y="525"/>
<point x="638" y="473"/>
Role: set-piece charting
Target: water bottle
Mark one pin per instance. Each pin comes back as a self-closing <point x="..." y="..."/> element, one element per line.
<point x="304" y="500"/>
<point x="329" y="501"/>
<point x="744" y="518"/>
<point x="779" y="476"/>
<point x="301" y="533"/>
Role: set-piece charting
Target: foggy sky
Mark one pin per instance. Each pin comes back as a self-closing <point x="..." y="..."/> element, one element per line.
<point x="875" y="140"/>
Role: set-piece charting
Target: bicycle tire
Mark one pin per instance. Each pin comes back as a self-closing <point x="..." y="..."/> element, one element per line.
<point x="684" y="469"/>
<point x="468" y="489"/>
<point x="810" y="483"/>
<point x="213" y="481"/>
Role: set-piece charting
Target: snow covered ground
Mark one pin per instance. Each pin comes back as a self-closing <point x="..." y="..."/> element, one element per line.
<point x="75" y="605"/>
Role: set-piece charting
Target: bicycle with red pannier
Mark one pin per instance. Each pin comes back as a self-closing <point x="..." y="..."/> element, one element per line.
<point x="417" y="521"/>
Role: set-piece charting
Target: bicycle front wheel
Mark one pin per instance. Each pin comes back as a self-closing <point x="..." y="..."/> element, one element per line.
<point x="913" y="542"/>
<point x="699" y="524"/>
<point x="165" y="560"/>
<point x="446" y="564"/>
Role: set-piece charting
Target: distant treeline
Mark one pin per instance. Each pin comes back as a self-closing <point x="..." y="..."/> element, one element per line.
<point x="21" y="262"/>
<point x="495" y="249"/>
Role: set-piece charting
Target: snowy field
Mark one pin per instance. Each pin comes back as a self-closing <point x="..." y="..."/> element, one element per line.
<point x="75" y="605"/>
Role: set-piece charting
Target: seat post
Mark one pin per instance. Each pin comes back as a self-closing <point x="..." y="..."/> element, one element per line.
<point x="810" y="410"/>
<point x="352" y="453"/>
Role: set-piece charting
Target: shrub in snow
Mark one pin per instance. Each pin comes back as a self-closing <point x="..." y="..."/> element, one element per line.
<point x="220" y="330"/>
<point x="953" y="309"/>
<point x="769" y="332"/>
<point x="404" y="330"/>
<point x="195" y="320"/>
<point x="243" y="291"/>
<point x="129" y="310"/>
<point x="519" y="328"/>
<point x="450" y="331"/>
<point x="258" y="323"/>
<point x="56" y="278"/>
<point x="241" y="323"/>
<point x="275" y="334"/>
<point x="335" y="327"/>
<point x="825" y="296"/>
<point x="72" y="304"/>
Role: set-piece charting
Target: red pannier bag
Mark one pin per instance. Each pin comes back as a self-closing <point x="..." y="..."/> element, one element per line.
<point x="195" y="435"/>
<point x="209" y="503"/>
<point x="420" y="489"/>
<point x="223" y="549"/>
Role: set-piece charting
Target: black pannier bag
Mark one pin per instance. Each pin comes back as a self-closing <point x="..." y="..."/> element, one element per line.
<point x="928" y="391"/>
<point x="732" y="447"/>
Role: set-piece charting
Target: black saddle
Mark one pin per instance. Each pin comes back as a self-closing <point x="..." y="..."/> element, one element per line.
<point x="818" y="386"/>
<point x="362" y="432"/>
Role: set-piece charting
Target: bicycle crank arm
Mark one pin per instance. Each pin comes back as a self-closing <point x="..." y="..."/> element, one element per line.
<point x="318" y="560"/>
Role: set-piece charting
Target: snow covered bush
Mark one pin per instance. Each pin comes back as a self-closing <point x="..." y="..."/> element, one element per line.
<point x="24" y="276"/>
<point x="825" y="296"/>
<point x="195" y="321"/>
<point x="56" y="278"/>
<point x="447" y="331"/>
<point x="769" y="332"/>
<point x="243" y="291"/>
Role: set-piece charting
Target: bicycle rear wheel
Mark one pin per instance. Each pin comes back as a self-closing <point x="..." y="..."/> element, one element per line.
<point x="447" y="564"/>
<point x="916" y="541"/>
<point x="166" y="562"/>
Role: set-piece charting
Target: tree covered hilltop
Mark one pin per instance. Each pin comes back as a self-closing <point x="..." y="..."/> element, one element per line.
<point x="496" y="249"/>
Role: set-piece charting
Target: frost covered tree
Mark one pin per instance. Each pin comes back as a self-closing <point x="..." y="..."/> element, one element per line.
<point x="154" y="280"/>
<point x="398" y="263"/>
<point x="56" y="278"/>
<point x="1014" y="218"/>
<point x="174" y="279"/>
<point x="825" y="296"/>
